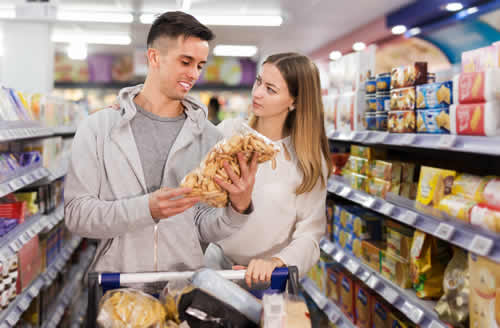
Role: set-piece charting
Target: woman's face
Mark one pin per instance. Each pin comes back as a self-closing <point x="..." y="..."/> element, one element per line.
<point x="270" y="95"/>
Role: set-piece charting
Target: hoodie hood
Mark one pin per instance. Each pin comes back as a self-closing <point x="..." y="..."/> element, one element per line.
<point x="195" y="111"/>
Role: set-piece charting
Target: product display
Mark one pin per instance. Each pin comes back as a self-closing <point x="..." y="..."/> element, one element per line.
<point x="406" y="76"/>
<point x="364" y="300"/>
<point x="483" y="216"/>
<point x="403" y="99"/>
<point x="435" y="95"/>
<point x="481" y="119"/>
<point x="348" y="296"/>
<point x="433" y="185"/>
<point x="401" y="121"/>
<point x="433" y="121"/>
<point x="383" y="101"/>
<point x="482" y="59"/>
<point x="479" y="87"/>
<point x="457" y="207"/>
<point x="383" y="82"/>
<point x="396" y="269"/>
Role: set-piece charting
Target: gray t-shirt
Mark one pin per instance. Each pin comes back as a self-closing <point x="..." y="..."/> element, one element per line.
<point x="154" y="136"/>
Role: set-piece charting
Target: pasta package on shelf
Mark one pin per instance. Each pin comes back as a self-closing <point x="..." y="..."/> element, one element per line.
<point x="478" y="87"/>
<point x="248" y="142"/>
<point x="457" y="207"/>
<point x="470" y="186"/>
<point x="401" y="121"/>
<point x="396" y="269"/>
<point x="481" y="59"/>
<point x="434" y="184"/>
<point x="130" y="308"/>
<point x="364" y="299"/>
<point x="480" y="119"/>
<point x="485" y="217"/>
<point x="491" y="194"/>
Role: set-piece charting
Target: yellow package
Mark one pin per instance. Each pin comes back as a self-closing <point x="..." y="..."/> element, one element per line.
<point x="396" y="269"/>
<point x="399" y="239"/>
<point x="457" y="207"/>
<point x="368" y="152"/>
<point x="470" y="186"/>
<point x="429" y="257"/>
<point x="434" y="184"/>
<point x="399" y="321"/>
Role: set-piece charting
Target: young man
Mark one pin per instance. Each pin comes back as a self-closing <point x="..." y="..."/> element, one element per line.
<point x="126" y="164"/>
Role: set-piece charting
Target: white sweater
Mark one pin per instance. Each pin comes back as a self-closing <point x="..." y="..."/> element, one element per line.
<point x="283" y="225"/>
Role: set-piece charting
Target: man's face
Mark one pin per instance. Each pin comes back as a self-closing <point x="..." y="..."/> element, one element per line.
<point x="179" y="64"/>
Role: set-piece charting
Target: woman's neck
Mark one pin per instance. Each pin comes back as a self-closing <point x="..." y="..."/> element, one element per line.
<point x="271" y="127"/>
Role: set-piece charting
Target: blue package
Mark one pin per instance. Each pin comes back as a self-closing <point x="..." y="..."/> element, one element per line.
<point x="381" y="121"/>
<point x="383" y="101"/>
<point x="435" y="121"/>
<point x="435" y="95"/>
<point x="371" y="103"/>
<point x="384" y="82"/>
<point x="371" y="85"/>
<point x="371" y="122"/>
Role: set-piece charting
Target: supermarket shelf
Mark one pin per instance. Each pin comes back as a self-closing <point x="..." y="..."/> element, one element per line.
<point x="54" y="174"/>
<point x="468" y="144"/>
<point x="64" y="130"/>
<point x="429" y="220"/>
<point x="78" y="317"/>
<point x="333" y="313"/>
<point x="23" y="130"/>
<point x="12" y="242"/>
<point x="22" y="180"/>
<point x="66" y="295"/>
<point x="10" y="316"/>
<point x="419" y="311"/>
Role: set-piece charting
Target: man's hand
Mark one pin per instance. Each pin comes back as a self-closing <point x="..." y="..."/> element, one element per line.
<point x="166" y="202"/>
<point x="260" y="270"/>
<point x="240" y="192"/>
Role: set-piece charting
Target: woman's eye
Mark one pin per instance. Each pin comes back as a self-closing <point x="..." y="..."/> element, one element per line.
<point x="185" y="63"/>
<point x="271" y="90"/>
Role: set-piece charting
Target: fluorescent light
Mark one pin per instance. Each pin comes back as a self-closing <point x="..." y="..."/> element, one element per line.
<point x="454" y="6"/>
<point x="234" y="51"/>
<point x="398" y="29"/>
<point x="359" y="46"/>
<point x="91" y="38"/>
<point x="335" y="55"/>
<point x="94" y="16"/>
<point x="472" y="10"/>
<point x="6" y="12"/>
<point x="227" y="20"/>
<point x="415" y="31"/>
<point x="77" y="51"/>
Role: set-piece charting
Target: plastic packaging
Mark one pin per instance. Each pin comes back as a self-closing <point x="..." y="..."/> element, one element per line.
<point x="481" y="59"/>
<point x="285" y="311"/>
<point x="396" y="269"/>
<point x="491" y="194"/>
<point x="435" y="121"/>
<point x="399" y="239"/>
<point x="471" y="88"/>
<point x="401" y="121"/>
<point x="403" y="99"/>
<point x="249" y="142"/>
<point x="434" y="184"/>
<point x="383" y="82"/>
<point x="406" y="76"/>
<point x="371" y="253"/>
<point x="457" y="207"/>
<point x="486" y="218"/>
<point x="470" y="186"/>
<point x="435" y="95"/>
<point x="481" y="119"/>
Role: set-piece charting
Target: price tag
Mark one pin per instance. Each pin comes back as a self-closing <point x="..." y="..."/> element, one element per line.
<point x="407" y="308"/>
<point x="33" y="291"/>
<point x="390" y="295"/>
<point x="481" y="245"/>
<point x="352" y="266"/>
<point x="387" y="209"/>
<point x="435" y="324"/>
<point x="16" y="184"/>
<point x="417" y="315"/>
<point x="352" y="136"/>
<point x="24" y="303"/>
<point x="345" y="192"/>
<point x="447" y="141"/>
<point x="409" y="217"/>
<point x="380" y="137"/>
<point x="25" y="237"/>
<point x="333" y="316"/>
<point x="368" y="202"/>
<point x="13" y="317"/>
<point x="15" y="246"/>
<point x="363" y="276"/>
<point x="444" y="231"/>
<point x="407" y="139"/>
<point x="373" y="282"/>
<point x="328" y="247"/>
<point x="52" y="275"/>
<point x="339" y="256"/>
<point x="25" y="180"/>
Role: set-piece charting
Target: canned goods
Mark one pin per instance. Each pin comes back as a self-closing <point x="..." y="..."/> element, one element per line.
<point x="384" y="82"/>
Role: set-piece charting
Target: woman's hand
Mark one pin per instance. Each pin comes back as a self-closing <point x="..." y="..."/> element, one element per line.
<point x="260" y="270"/>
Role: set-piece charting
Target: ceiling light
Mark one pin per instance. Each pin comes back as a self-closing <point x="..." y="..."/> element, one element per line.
<point x="77" y="51"/>
<point x="91" y="16"/>
<point x="227" y="20"/>
<point x="91" y="38"/>
<point x="398" y="29"/>
<point x="186" y="5"/>
<point x="454" y="6"/>
<point x="472" y="10"/>
<point x="359" y="46"/>
<point x="414" y="31"/>
<point x="335" y="55"/>
<point x="235" y="51"/>
<point x="7" y="12"/>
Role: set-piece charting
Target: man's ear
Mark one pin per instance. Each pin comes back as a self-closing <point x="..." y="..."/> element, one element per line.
<point x="153" y="56"/>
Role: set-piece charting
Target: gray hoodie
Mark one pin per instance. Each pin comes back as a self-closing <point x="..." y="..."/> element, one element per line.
<point x="105" y="194"/>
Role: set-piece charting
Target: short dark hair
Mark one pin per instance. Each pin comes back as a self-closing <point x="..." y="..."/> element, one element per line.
<point x="173" y="24"/>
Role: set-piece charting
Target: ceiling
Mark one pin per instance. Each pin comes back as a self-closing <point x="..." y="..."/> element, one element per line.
<point x="307" y="24"/>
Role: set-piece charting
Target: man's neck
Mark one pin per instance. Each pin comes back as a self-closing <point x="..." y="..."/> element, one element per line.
<point x="152" y="100"/>
<point x="271" y="127"/>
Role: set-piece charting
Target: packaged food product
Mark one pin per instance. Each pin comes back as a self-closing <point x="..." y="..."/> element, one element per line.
<point x="371" y="122"/>
<point x="484" y="300"/>
<point x="370" y="253"/>
<point x="353" y="244"/>
<point x="470" y="186"/>
<point x="408" y="172"/>
<point x="383" y="82"/>
<point x="491" y="194"/>
<point x="351" y="108"/>
<point x="378" y="187"/>
<point x="371" y="102"/>
<point x="485" y="217"/>
<point x="345" y="218"/>
<point x="247" y="141"/>
<point x="435" y="95"/>
<point x="347" y="296"/>
<point x="403" y="99"/>
<point x="359" y="181"/>
<point x="481" y="59"/>
<point x="406" y="76"/>
<point x="385" y="170"/>
<point x="399" y="238"/>
<point x="433" y="121"/>
<point x="433" y="185"/>
<point x="368" y="152"/>
<point x="429" y="257"/>
<point x="457" y="207"/>
<point x="408" y="190"/>
<point x="453" y="306"/>
<point x="431" y="77"/>
<point x="333" y="285"/>
<point x="359" y="165"/>
<point x="383" y="101"/>
<point x="381" y="121"/>
<point x="478" y="87"/>
<point x="371" y="85"/>
<point x="396" y="269"/>
<point x="399" y="321"/>
<point x="367" y="227"/>
<point x="380" y="314"/>
<point x="401" y="121"/>
<point x="364" y="299"/>
<point x="481" y="119"/>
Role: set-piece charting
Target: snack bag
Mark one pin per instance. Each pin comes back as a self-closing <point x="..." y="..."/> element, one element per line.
<point x="130" y="308"/>
<point x="247" y="141"/>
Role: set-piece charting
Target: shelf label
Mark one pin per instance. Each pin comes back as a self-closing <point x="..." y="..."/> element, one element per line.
<point x="352" y="266"/>
<point x="345" y="192"/>
<point x="379" y="137"/>
<point x="368" y="201"/>
<point x="387" y="209"/>
<point x="25" y="237"/>
<point x="15" y="246"/>
<point x="52" y="275"/>
<point x="333" y="316"/>
<point x="13" y="317"/>
<point x="435" y="324"/>
<point x="328" y="247"/>
<point x="447" y="141"/>
<point x="481" y="245"/>
<point x="407" y="139"/>
<point x="409" y="217"/>
<point x="444" y="231"/>
<point x="373" y="282"/>
<point x="24" y="303"/>
<point x="390" y="295"/>
<point x="417" y="315"/>
<point x="16" y="184"/>
<point x="407" y="308"/>
<point x="33" y="291"/>
<point x="364" y="275"/>
<point x="339" y="256"/>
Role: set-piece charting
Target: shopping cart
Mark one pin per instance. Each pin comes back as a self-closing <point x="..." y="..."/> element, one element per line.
<point x="282" y="279"/>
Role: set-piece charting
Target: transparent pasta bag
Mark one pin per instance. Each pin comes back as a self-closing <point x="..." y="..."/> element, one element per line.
<point x="129" y="308"/>
<point x="284" y="310"/>
<point x="245" y="140"/>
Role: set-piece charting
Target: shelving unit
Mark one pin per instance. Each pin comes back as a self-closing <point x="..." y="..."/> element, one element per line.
<point x="22" y="179"/>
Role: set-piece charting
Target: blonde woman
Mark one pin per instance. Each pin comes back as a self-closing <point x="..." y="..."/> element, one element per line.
<point x="289" y="202"/>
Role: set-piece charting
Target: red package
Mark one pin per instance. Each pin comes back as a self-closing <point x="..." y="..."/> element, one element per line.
<point x="30" y="263"/>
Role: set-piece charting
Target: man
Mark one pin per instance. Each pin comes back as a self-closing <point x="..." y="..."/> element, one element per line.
<point x="126" y="165"/>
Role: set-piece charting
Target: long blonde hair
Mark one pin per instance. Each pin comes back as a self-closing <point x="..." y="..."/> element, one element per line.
<point x="306" y="123"/>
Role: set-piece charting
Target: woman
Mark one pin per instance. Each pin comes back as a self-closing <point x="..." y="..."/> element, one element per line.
<point x="289" y="202"/>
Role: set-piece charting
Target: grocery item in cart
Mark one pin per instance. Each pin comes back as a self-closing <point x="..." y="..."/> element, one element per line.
<point x="481" y="59"/>
<point x="481" y="119"/>
<point x="433" y="185"/>
<point x="403" y="99"/>
<point x="285" y="311"/>
<point x="485" y="217"/>
<point x="433" y="121"/>
<point x="130" y="308"/>
<point x="435" y="95"/>
<point x="401" y="121"/>
<point x="457" y="207"/>
<point x="407" y="76"/>
<point x="471" y="88"/>
<point x="247" y="142"/>
<point x="470" y="186"/>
